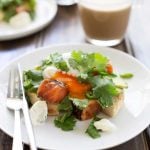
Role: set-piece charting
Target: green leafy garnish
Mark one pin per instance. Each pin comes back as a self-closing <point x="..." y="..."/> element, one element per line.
<point x="126" y="75"/>
<point x="46" y="62"/>
<point x="86" y="63"/>
<point x="65" y="105"/>
<point x="28" y="84"/>
<point x="66" y="124"/>
<point x="34" y="75"/>
<point x="59" y="62"/>
<point x="81" y="104"/>
<point x="32" y="79"/>
<point x="66" y="121"/>
<point x="103" y="90"/>
<point x="90" y="95"/>
<point x="56" y="60"/>
<point x="91" y="130"/>
<point x="112" y="75"/>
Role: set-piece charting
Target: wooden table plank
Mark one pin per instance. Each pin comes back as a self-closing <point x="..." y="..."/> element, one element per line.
<point x="10" y="50"/>
<point x="66" y="28"/>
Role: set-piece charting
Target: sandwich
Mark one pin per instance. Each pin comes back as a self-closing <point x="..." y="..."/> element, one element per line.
<point x="85" y="82"/>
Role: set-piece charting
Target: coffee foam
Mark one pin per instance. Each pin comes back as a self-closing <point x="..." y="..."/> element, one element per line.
<point x="106" y="5"/>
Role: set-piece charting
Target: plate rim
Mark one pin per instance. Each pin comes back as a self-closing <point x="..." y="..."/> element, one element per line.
<point x="78" y="44"/>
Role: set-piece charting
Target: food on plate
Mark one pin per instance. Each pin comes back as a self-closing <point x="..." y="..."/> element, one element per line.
<point x="75" y="85"/>
<point x="90" y="110"/>
<point x="52" y="91"/>
<point x="20" y="20"/>
<point x="104" y="125"/>
<point x="38" y="112"/>
<point x="18" y="13"/>
<point x="126" y="75"/>
<point x="117" y="104"/>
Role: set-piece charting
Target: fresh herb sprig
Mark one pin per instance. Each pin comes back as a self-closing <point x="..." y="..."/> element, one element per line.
<point x="57" y="60"/>
<point x="91" y="130"/>
<point x="66" y="121"/>
<point x="80" y="104"/>
<point x="32" y="80"/>
<point x="88" y="63"/>
<point x="103" y="90"/>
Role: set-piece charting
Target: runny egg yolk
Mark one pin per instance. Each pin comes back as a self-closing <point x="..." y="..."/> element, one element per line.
<point x="75" y="88"/>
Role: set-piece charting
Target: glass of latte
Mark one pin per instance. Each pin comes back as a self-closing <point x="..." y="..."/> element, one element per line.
<point x="105" y="21"/>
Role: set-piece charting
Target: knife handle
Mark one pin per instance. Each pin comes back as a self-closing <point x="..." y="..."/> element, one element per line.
<point x="29" y="126"/>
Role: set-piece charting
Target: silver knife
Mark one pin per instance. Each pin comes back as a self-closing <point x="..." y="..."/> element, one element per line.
<point x="26" y="114"/>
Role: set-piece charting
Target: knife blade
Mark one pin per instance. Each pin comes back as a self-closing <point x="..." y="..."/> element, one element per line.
<point x="26" y="114"/>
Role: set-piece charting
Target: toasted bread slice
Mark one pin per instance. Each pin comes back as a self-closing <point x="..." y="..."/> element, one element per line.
<point x="33" y="97"/>
<point x="114" y="109"/>
<point x="90" y="111"/>
<point x="52" y="109"/>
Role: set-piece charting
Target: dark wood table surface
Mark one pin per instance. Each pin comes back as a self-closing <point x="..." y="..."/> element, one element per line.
<point x="65" y="28"/>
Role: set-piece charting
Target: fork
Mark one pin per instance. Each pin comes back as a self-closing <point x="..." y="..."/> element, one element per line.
<point x="15" y="103"/>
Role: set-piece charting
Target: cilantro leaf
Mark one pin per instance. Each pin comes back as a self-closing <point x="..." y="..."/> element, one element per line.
<point x="32" y="80"/>
<point x="105" y="95"/>
<point x="34" y="75"/>
<point x="46" y="62"/>
<point x="103" y="90"/>
<point x="28" y="84"/>
<point x="87" y="63"/>
<point x="81" y="104"/>
<point x="65" y="105"/>
<point x="100" y="62"/>
<point x="56" y="60"/>
<point x="66" y="121"/>
<point x="80" y="60"/>
<point x="59" y="62"/>
<point x="91" y="130"/>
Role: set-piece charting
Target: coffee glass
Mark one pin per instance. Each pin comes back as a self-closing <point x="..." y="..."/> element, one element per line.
<point x="105" y="21"/>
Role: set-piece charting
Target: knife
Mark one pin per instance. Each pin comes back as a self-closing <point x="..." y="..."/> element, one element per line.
<point x="26" y="114"/>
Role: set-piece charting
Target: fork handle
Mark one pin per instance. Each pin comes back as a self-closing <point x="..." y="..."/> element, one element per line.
<point x="17" y="141"/>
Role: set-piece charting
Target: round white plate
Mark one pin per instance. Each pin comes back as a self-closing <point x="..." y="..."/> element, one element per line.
<point x="45" y="13"/>
<point x="66" y="2"/>
<point x="132" y="119"/>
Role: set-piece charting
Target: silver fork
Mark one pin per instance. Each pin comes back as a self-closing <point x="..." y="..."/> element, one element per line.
<point x="15" y="103"/>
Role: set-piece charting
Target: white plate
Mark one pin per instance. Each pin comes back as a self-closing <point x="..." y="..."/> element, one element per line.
<point x="66" y="2"/>
<point x="45" y="13"/>
<point x="132" y="119"/>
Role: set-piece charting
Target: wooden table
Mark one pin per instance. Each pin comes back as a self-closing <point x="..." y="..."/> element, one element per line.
<point x="65" y="28"/>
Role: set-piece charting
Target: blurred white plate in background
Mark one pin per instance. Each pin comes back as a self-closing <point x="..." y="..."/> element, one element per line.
<point x="45" y="13"/>
<point x="66" y="2"/>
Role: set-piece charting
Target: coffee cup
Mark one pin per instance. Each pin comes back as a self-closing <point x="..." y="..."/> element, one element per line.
<point x="105" y="21"/>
